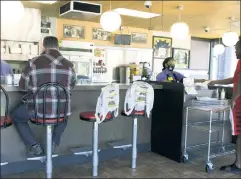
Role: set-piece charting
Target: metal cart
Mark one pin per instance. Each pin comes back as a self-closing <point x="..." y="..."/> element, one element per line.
<point x="214" y="149"/>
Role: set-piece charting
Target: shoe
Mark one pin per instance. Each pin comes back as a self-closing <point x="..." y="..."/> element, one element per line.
<point x="34" y="151"/>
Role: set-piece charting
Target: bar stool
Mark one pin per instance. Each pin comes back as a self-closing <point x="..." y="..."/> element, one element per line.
<point x="6" y="120"/>
<point x="41" y="94"/>
<point x="139" y="101"/>
<point x="106" y="110"/>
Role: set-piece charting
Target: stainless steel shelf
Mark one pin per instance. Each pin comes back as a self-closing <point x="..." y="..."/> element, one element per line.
<point x="204" y="126"/>
<point x="217" y="150"/>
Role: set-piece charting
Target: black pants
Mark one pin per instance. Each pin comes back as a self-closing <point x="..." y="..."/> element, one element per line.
<point x="21" y="116"/>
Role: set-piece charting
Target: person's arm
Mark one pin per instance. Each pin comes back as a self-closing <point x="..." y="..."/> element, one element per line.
<point x="24" y="80"/>
<point x="179" y="76"/>
<point x="221" y="82"/>
<point x="199" y="80"/>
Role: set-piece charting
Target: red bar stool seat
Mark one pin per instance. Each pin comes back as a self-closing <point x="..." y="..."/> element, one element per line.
<point x="90" y="116"/>
<point x="6" y="120"/>
<point x="134" y="113"/>
<point x="47" y="121"/>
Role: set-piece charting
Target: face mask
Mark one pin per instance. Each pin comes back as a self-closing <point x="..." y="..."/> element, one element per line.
<point x="170" y="67"/>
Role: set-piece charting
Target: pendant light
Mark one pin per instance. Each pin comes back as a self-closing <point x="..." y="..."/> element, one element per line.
<point x="11" y="12"/>
<point x="179" y="30"/>
<point x="110" y="20"/>
<point x="218" y="48"/>
<point x="230" y="38"/>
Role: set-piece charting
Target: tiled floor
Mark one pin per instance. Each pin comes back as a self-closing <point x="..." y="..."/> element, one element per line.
<point x="149" y="165"/>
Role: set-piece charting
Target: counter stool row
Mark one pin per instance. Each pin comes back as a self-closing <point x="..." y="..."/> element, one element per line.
<point x="138" y="102"/>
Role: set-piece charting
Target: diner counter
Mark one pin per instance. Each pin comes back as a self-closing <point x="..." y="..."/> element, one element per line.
<point x="79" y="133"/>
<point x="79" y="87"/>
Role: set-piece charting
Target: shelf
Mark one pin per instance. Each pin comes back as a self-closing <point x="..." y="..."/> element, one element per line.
<point x="216" y="150"/>
<point x="204" y="126"/>
<point x="17" y="57"/>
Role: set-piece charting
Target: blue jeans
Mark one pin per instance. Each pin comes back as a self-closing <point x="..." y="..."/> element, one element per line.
<point x="21" y="116"/>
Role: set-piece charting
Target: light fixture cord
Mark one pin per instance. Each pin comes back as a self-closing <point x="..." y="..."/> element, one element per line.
<point x="162" y="15"/>
<point x="110" y="5"/>
<point x="179" y="16"/>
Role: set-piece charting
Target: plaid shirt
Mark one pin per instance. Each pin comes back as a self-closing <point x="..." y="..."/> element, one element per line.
<point x="50" y="66"/>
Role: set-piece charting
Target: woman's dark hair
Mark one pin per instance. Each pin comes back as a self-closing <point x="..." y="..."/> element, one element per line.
<point x="165" y="62"/>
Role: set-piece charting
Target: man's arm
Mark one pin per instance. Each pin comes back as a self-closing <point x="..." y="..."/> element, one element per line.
<point x="221" y="82"/>
<point x="24" y="80"/>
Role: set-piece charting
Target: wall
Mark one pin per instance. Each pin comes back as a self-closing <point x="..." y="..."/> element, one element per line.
<point x="157" y="63"/>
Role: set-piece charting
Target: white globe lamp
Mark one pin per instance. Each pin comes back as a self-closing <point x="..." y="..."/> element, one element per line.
<point x="179" y="30"/>
<point x="230" y="38"/>
<point x="11" y="11"/>
<point x="218" y="49"/>
<point x="110" y="21"/>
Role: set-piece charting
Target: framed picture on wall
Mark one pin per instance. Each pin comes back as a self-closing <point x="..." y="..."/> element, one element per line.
<point x="100" y="34"/>
<point x="139" y="38"/>
<point x="162" y="47"/>
<point x="74" y="31"/>
<point x="182" y="58"/>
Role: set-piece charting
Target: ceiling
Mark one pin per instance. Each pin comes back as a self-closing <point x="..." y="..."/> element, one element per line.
<point x="197" y="14"/>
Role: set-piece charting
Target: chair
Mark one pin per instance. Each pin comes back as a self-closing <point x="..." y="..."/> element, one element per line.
<point x="6" y="120"/>
<point x="139" y="101"/>
<point x="106" y="110"/>
<point x="49" y="122"/>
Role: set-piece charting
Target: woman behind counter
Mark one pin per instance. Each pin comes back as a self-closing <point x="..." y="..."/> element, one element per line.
<point x="169" y="75"/>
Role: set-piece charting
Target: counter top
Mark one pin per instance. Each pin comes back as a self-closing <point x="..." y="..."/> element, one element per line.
<point x="81" y="87"/>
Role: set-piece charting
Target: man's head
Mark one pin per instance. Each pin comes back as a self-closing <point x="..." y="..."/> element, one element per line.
<point x="50" y="42"/>
<point x="169" y="64"/>
<point x="238" y="49"/>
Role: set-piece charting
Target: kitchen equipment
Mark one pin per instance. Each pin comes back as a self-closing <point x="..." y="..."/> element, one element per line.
<point x="16" y="78"/>
<point x="34" y="49"/>
<point x="9" y="80"/>
<point x="25" y="49"/>
<point x="145" y="71"/>
<point x="15" y="50"/>
<point x="124" y="74"/>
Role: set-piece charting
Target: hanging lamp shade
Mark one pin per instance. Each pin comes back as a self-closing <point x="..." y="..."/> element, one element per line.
<point x="179" y="30"/>
<point x="218" y="49"/>
<point x="230" y="38"/>
<point x="11" y="11"/>
<point x="110" y="21"/>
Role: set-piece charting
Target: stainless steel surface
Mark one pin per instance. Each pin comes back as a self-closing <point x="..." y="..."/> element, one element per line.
<point x="134" y="142"/>
<point x="209" y="135"/>
<point x="95" y="156"/>
<point x="49" y="165"/>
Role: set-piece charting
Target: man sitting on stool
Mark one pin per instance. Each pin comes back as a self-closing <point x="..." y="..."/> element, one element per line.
<point x="236" y="109"/>
<point x="50" y="66"/>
